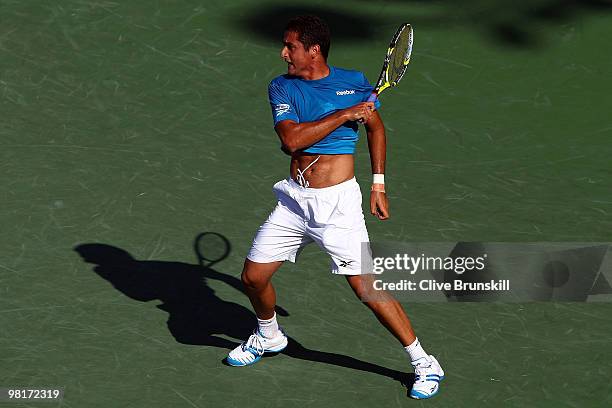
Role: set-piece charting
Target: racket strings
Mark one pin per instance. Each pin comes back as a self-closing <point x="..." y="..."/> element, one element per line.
<point x="399" y="56"/>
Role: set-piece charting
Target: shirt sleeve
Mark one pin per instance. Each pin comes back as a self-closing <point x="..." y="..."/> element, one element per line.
<point x="366" y="85"/>
<point x="282" y="107"/>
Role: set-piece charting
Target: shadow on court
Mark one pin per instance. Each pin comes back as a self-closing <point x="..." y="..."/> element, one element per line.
<point x="269" y="21"/>
<point x="519" y="23"/>
<point x="196" y="315"/>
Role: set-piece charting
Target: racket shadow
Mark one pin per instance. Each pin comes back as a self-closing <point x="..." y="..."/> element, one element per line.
<point x="196" y="315"/>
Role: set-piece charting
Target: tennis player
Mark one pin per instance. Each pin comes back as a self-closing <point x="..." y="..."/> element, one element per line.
<point x="316" y="110"/>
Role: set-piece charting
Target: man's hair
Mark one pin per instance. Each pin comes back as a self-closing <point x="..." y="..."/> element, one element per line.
<point x="311" y="30"/>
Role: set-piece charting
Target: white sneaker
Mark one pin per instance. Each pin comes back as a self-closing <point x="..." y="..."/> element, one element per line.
<point x="254" y="348"/>
<point x="428" y="375"/>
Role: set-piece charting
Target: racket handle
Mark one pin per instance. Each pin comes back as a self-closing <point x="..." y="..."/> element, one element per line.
<point x="372" y="98"/>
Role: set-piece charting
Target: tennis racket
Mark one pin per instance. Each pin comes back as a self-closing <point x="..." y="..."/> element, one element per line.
<point x="396" y="61"/>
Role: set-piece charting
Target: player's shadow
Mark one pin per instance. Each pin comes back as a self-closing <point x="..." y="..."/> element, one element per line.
<point x="196" y="315"/>
<point x="296" y="350"/>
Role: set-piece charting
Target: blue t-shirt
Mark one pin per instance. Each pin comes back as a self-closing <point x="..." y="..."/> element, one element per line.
<point x="301" y="100"/>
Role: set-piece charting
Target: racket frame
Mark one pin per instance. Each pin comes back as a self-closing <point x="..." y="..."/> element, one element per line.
<point x="383" y="80"/>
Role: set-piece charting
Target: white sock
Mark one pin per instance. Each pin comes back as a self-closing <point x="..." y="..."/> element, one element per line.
<point x="416" y="351"/>
<point x="269" y="327"/>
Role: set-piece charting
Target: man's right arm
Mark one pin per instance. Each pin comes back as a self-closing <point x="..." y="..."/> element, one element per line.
<point x="297" y="136"/>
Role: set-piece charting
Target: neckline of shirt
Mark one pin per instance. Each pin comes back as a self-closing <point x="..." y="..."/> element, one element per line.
<point x="332" y="71"/>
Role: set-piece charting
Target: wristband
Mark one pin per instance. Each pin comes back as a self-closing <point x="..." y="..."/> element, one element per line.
<point x="378" y="179"/>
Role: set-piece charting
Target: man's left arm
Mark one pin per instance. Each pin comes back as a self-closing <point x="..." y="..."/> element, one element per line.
<point x="377" y="143"/>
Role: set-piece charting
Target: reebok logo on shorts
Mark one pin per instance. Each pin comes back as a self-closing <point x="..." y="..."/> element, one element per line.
<point x="345" y="264"/>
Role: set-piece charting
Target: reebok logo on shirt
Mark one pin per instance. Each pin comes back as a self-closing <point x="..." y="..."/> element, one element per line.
<point x="346" y="92"/>
<point x="281" y="108"/>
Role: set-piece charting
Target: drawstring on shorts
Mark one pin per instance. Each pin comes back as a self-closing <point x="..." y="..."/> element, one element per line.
<point x="300" y="174"/>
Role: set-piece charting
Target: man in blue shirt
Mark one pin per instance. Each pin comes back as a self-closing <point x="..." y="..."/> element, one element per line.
<point x="316" y="110"/>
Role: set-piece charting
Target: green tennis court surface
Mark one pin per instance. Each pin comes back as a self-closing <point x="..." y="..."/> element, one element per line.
<point x="128" y="128"/>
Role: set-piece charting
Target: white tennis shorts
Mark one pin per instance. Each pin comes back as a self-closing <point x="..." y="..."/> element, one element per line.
<point x="331" y="216"/>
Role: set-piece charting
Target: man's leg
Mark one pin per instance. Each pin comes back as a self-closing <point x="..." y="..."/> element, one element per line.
<point x="390" y="313"/>
<point x="385" y="307"/>
<point x="268" y="337"/>
<point x="257" y="280"/>
<point x="278" y="239"/>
